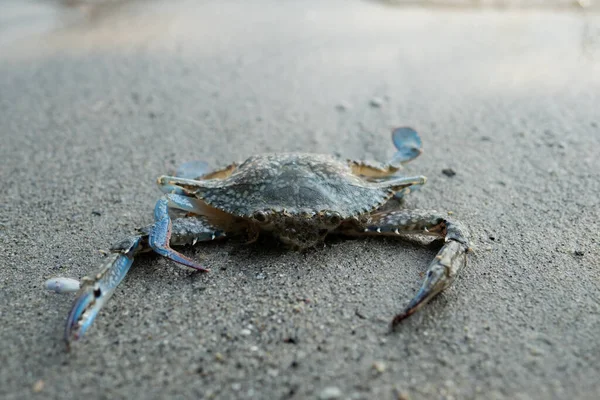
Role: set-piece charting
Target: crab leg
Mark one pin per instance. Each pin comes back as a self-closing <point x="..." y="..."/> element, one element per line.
<point x="160" y="236"/>
<point x="96" y="290"/>
<point x="408" y="145"/>
<point x="444" y="268"/>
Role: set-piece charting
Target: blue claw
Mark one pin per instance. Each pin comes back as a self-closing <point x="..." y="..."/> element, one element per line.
<point x="77" y="322"/>
<point x="408" y="143"/>
<point x="192" y="169"/>
<point x="97" y="290"/>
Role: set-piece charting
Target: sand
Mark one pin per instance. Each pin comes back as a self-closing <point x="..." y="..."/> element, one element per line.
<point x="97" y="105"/>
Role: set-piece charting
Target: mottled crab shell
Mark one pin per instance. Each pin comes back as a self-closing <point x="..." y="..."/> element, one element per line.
<point x="295" y="183"/>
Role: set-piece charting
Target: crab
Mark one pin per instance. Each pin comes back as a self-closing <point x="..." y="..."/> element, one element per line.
<point x="296" y="198"/>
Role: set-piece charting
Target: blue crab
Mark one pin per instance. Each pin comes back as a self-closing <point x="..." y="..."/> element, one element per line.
<point x="296" y="198"/>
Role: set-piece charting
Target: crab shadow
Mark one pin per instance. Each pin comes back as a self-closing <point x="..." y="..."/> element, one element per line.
<point x="266" y="255"/>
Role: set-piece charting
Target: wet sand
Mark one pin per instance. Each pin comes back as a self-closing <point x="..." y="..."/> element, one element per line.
<point x="97" y="104"/>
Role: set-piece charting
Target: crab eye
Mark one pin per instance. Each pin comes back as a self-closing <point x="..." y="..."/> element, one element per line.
<point x="260" y="216"/>
<point x="333" y="218"/>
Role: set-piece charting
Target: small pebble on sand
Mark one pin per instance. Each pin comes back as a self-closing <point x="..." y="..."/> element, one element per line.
<point x="38" y="386"/>
<point x="330" y="393"/>
<point x="449" y="172"/>
<point x="376" y="102"/>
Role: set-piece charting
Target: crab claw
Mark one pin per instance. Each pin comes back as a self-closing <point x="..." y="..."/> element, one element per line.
<point x="434" y="283"/>
<point x="408" y="143"/>
<point x="97" y="290"/>
<point x="441" y="273"/>
<point x="80" y="317"/>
